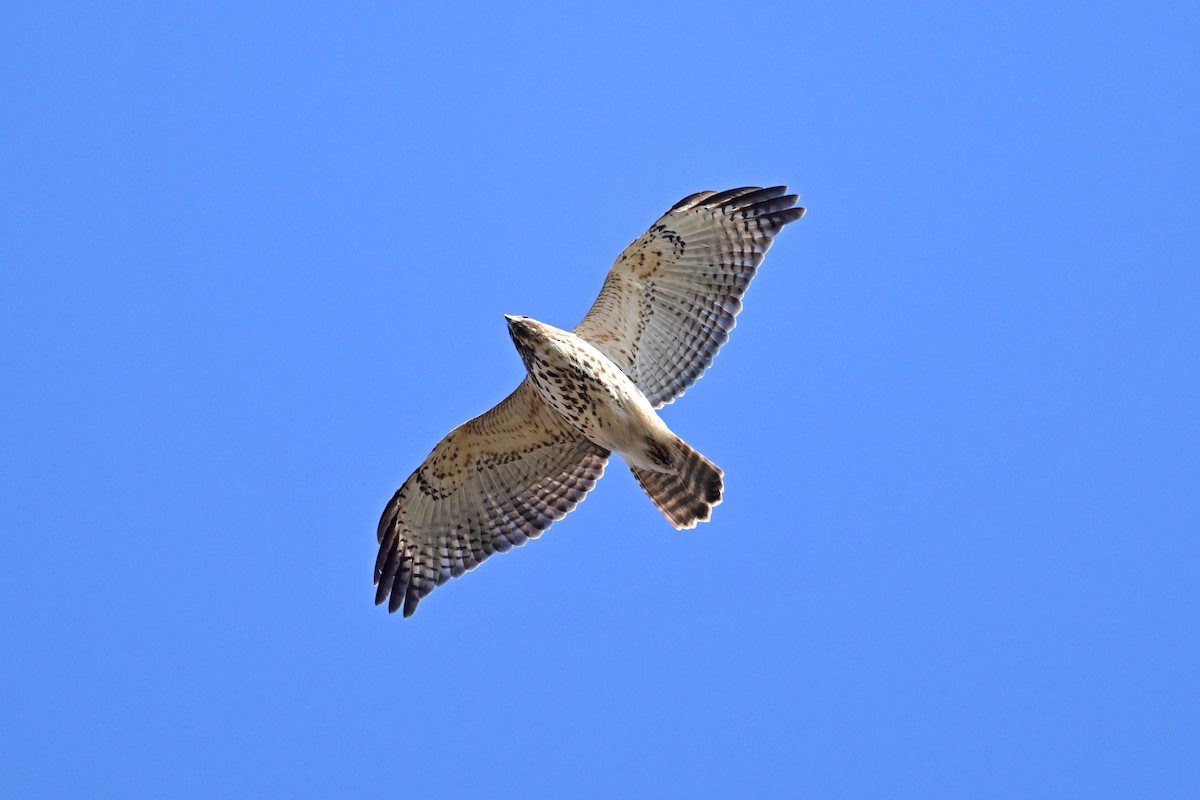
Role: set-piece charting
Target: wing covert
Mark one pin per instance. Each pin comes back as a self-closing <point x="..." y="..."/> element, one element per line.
<point x="491" y="484"/>
<point x="671" y="298"/>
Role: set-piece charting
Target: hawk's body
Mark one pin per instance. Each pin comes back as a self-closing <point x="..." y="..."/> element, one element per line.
<point x="667" y="306"/>
<point x="590" y="392"/>
<point x="608" y="409"/>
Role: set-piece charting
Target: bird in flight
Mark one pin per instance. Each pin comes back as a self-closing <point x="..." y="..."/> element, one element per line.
<point x="666" y="307"/>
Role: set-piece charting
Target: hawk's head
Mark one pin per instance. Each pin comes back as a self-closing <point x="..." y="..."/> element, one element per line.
<point x="522" y="333"/>
<point x="528" y="335"/>
<point x="524" y="328"/>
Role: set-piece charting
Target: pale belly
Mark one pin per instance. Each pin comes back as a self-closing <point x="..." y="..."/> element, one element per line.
<point x="598" y="399"/>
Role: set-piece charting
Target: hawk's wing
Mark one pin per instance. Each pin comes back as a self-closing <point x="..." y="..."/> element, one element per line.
<point x="670" y="299"/>
<point x="492" y="483"/>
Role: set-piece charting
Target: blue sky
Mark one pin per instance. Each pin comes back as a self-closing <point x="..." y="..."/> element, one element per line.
<point x="254" y="263"/>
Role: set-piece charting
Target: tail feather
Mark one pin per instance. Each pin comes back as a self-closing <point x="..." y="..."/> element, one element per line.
<point x="686" y="495"/>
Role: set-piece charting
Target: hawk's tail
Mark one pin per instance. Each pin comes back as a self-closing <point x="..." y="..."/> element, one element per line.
<point x="687" y="494"/>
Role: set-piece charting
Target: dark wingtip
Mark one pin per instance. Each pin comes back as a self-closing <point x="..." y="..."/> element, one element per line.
<point x="396" y="598"/>
<point x="789" y="215"/>
<point x="410" y="603"/>
<point x="729" y="195"/>
<point x="692" y="200"/>
<point x="736" y="199"/>
<point x="388" y="518"/>
<point x="780" y="218"/>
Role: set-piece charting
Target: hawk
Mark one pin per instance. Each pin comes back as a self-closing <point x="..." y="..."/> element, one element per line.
<point x="501" y="479"/>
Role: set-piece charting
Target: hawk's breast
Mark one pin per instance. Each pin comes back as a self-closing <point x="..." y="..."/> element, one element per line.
<point x="586" y="388"/>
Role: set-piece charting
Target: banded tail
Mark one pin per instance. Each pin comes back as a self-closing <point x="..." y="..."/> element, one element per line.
<point x="687" y="494"/>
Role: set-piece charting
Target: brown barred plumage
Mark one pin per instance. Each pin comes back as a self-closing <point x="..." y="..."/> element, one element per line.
<point x="666" y="307"/>
<point x="671" y="299"/>
<point x="688" y="495"/>
<point x="491" y="484"/>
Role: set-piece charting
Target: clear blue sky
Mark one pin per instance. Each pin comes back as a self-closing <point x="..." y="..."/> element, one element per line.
<point x="254" y="263"/>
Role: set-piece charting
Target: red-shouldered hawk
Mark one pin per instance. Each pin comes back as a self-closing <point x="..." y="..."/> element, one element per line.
<point x="664" y="311"/>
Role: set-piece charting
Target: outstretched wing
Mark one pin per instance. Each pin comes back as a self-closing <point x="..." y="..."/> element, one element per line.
<point x="492" y="483"/>
<point x="670" y="299"/>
